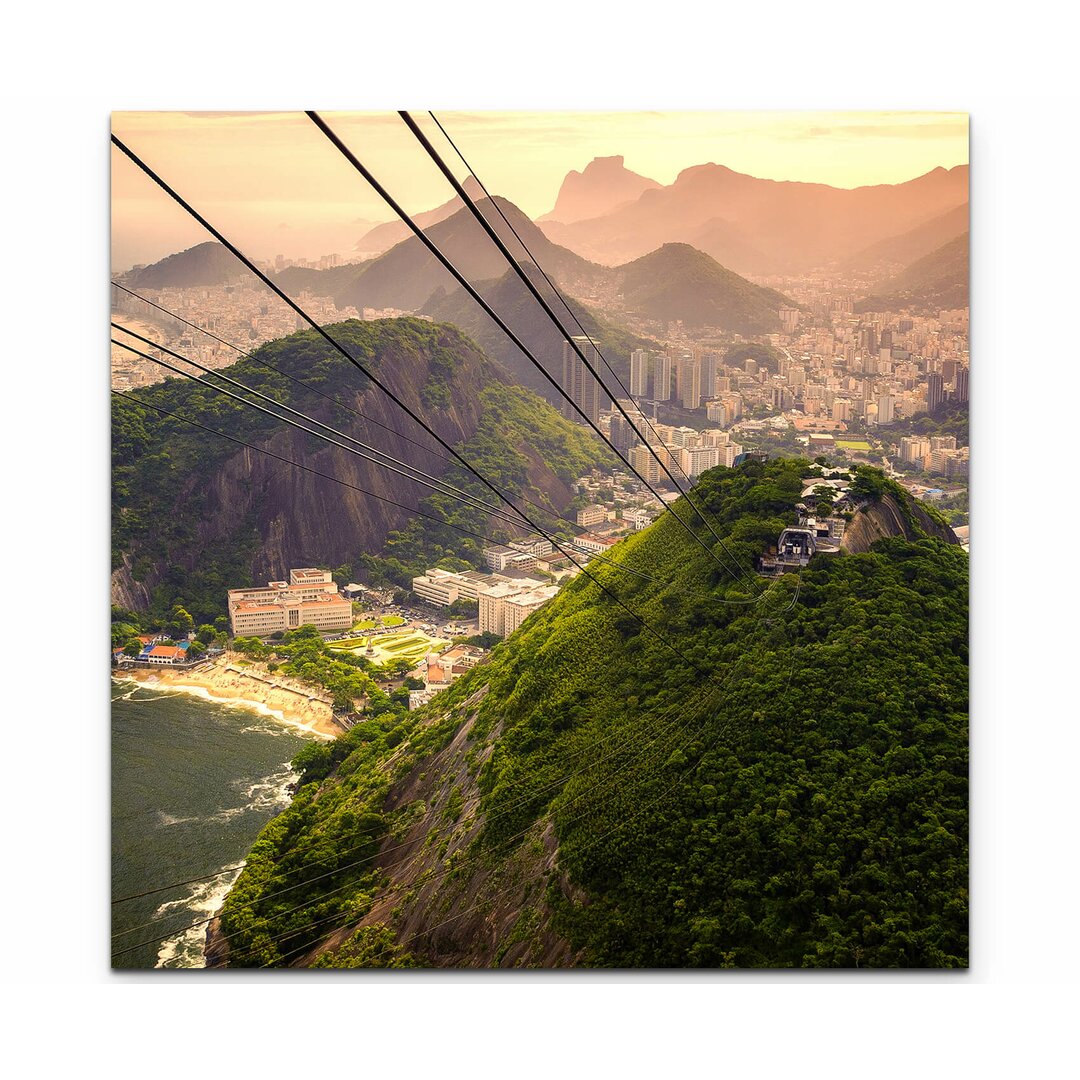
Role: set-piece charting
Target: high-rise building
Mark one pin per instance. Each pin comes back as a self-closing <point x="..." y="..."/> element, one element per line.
<point x="694" y="460"/>
<point x="645" y="464"/>
<point x="914" y="448"/>
<point x="579" y="383"/>
<point x="886" y="404"/>
<point x="935" y="392"/>
<point x="710" y="364"/>
<point x="660" y="389"/>
<point x="961" y="391"/>
<point x="639" y="373"/>
<point x="789" y="318"/>
<point x="688" y="381"/>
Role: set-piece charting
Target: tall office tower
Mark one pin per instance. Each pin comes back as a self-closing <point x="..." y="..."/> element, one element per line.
<point x="661" y="377"/>
<point x="948" y="369"/>
<point x="961" y="392"/>
<point x="639" y="373"/>
<point x="579" y="383"/>
<point x="885" y="408"/>
<point x="935" y="392"/>
<point x="885" y="341"/>
<point x="710" y="364"/>
<point x="688" y="382"/>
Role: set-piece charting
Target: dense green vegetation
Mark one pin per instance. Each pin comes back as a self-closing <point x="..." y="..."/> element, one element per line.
<point x="951" y="418"/>
<point x="789" y="789"/>
<point x="303" y="654"/>
<point x="161" y="465"/>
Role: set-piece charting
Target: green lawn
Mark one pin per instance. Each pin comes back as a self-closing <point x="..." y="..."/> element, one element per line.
<point x="410" y="645"/>
<point x="371" y="624"/>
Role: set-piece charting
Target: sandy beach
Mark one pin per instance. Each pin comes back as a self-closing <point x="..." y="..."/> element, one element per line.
<point x="232" y="680"/>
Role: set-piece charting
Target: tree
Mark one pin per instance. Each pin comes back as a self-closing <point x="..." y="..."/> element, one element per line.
<point x="343" y="702"/>
<point x="133" y="647"/>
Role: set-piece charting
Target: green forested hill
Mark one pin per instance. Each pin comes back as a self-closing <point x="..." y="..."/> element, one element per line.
<point x="195" y="515"/>
<point x="209" y="263"/>
<point x="789" y="790"/>
<point x="678" y="282"/>
<point x="938" y="280"/>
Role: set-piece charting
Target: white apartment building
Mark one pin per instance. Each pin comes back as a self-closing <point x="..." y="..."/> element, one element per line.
<point x="501" y="557"/>
<point x="504" y="607"/>
<point x="694" y="460"/>
<point x="444" y="587"/>
<point x="308" y="598"/>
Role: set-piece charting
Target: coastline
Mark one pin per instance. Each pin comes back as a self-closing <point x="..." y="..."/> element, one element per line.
<point x="224" y="683"/>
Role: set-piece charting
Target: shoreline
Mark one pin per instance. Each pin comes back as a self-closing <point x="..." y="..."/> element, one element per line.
<point x="223" y="683"/>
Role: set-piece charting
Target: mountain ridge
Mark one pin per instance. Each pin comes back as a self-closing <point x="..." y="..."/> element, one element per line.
<point x="797" y="224"/>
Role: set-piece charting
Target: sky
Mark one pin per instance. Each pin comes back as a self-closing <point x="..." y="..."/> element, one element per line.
<point x="273" y="184"/>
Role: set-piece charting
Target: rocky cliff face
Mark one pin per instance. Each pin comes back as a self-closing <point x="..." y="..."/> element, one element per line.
<point x="888" y="517"/>
<point x="278" y="516"/>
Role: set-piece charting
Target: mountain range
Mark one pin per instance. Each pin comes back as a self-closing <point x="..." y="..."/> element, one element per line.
<point x="383" y="237"/>
<point x="676" y="282"/>
<point x="937" y="281"/>
<point x="756" y="226"/>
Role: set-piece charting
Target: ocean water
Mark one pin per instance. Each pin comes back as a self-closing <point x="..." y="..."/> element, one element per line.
<point x="193" y="782"/>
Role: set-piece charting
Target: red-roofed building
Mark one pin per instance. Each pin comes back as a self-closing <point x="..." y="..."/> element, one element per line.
<point x="164" y="654"/>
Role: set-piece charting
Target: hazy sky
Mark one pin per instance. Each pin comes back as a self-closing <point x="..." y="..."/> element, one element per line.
<point x="273" y="184"/>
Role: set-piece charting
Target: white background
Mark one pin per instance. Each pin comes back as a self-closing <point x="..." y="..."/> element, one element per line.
<point x="1015" y="73"/>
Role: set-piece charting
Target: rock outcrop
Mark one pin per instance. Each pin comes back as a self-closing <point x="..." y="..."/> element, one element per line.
<point x="887" y="517"/>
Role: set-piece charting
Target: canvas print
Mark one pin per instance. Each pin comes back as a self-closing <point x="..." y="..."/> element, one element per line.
<point x="539" y="540"/>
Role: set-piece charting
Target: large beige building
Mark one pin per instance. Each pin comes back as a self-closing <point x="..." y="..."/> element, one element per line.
<point x="308" y="598"/>
<point x="504" y="607"/>
<point x="444" y="587"/>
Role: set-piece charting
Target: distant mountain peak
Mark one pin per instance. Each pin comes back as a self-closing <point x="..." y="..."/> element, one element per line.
<point x="603" y="185"/>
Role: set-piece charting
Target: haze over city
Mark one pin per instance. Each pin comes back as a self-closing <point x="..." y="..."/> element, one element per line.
<point x="279" y="187"/>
